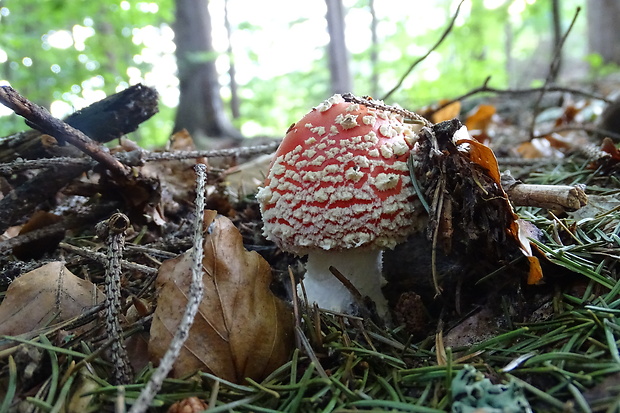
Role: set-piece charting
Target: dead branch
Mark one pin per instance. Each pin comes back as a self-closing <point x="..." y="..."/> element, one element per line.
<point x="102" y="121"/>
<point x="232" y="152"/>
<point x="485" y="88"/>
<point x="23" y="200"/>
<point x="553" y="67"/>
<point x="421" y="59"/>
<point x="550" y="197"/>
<point x="42" y="120"/>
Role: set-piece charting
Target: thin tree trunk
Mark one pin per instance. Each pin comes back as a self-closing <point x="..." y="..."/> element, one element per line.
<point x="557" y="39"/>
<point x="374" y="50"/>
<point x="234" y="94"/>
<point x="201" y="110"/>
<point x="338" y="54"/>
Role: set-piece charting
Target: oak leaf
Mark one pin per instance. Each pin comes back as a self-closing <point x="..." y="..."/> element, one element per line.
<point x="47" y="295"/>
<point x="241" y="329"/>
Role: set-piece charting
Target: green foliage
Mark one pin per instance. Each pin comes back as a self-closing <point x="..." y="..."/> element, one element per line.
<point x="598" y="67"/>
<point x="269" y="108"/>
<point x="73" y="52"/>
<point x="115" y="53"/>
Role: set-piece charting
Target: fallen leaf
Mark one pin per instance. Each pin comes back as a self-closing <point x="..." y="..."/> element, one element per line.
<point x="481" y="118"/>
<point x="242" y="329"/>
<point x="49" y="294"/>
<point x="482" y="155"/>
<point x="449" y="112"/>
<point x="245" y="178"/>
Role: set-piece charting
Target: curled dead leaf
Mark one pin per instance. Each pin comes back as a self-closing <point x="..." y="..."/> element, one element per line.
<point x="242" y="329"/>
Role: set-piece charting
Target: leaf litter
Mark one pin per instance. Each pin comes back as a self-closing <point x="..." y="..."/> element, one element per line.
<point x="553" y="342"/>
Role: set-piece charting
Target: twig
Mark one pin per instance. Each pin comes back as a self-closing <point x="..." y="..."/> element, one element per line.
<point x="552" y="70"/>
<point x="195" y="297"/>
<point x="435" y="46"/>
<point x="113" y="231"/>
<point x="485" y="88"/>
<point x="377" y="104"/>
<point x="99" y="257"/>
<point x="588" y="129"/>
<point x="551" y="197"/>
<point x="46" y="123"/>
<point x="135" y="159"/>
<point x="233" y="152"/>
<point x="10" y="168"/>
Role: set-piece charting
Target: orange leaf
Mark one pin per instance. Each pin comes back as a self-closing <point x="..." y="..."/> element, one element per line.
<point x="242" y="329"/>
<point x="449" y="112"/>
<point x="481" y="118"/>
<point x="482" y="155"/>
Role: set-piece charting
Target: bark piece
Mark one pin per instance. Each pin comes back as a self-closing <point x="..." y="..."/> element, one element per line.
<point x="103" y="121"/>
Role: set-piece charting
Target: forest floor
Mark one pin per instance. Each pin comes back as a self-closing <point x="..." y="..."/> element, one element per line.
<point x="494" y="339"/>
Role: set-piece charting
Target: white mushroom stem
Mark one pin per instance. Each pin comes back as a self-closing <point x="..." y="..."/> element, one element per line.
<point x="362" y="267"/>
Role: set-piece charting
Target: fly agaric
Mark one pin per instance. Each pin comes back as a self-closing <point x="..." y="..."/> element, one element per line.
<point x="339" y="190"/>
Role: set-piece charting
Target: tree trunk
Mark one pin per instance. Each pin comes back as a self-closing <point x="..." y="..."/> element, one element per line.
<point x="338" y="54"/>
<point x="201" y="110"/>
<point x="556" y="22"/>
<point x="232" y="72"/>
<point x="374" y="50"/>
<point x="603" y="29"/>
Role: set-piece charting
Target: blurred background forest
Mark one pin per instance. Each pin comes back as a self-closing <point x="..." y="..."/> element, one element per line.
<point x="233" y="68"/>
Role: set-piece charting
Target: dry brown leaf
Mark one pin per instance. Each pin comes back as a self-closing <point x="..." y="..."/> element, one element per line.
<point x="242" y="329"/>
<point x="245" y="178"/>
<point x="50" y="293"/>
<point x="449" y="112"/>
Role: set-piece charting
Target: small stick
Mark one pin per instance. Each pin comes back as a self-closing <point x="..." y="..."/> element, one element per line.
<point x="113" y="231"/>
<point x="196" y="291"/>
<point x="485" y="88"/>
<point x="216" y="153"/>
<point x="551" y="197"/>
<point x="129" y="158"/>
<point x="435" y="46"/>
<point x="46" y="123"/>
<point x="552" y="70"/>
<point x="97" y="256"/>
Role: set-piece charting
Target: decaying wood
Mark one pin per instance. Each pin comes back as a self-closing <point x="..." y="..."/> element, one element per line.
<point x="552" y="197"/>
<point x="23" y="200"/>
<point x="42" y="120"/>
<point x="103" y="121"/>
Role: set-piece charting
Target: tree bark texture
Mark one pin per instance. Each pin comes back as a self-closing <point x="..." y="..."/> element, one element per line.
<point x="232" y="72"/>
<point x="603" y="29"/>
<point x="200" y="110"/>
<point x="374" y="49"/>
<point x="338" y="54"/>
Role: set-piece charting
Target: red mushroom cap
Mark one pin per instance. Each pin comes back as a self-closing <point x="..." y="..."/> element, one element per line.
<point x="340" y="180"/>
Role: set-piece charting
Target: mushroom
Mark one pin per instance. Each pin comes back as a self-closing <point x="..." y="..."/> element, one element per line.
<point x="339" y="190"/>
